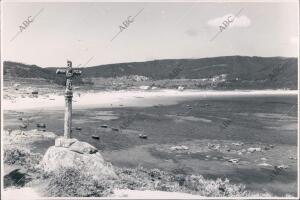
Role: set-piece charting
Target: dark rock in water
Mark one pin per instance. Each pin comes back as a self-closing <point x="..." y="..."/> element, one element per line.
<point x="20" y="118"/>
<point x="189" y="106"/>
<point x="95" y="137"/>
<point x="34" y="92"/>
<point x="104" y="126"/>
<point x="78" y="128"/>
<point x="23" y="126"/>
<point x="143" y="136"/>
<point x="267" y="148"/>
<point x="115" y="129"/>
<point x="41" y="125"/>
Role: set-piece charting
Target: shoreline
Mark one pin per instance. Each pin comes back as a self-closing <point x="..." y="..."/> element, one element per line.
<point x="130" y="98"/>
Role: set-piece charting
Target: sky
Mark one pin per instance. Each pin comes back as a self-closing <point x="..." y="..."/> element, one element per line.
<point x="94" y="33"/>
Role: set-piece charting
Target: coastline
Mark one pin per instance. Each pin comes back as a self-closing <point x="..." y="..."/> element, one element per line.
<point x="130" y="98"/>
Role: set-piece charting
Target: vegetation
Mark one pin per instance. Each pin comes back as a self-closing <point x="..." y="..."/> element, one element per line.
<point x="243" y="72"/>
<point x="69" y="182"/>
<point x="21" y="157"/>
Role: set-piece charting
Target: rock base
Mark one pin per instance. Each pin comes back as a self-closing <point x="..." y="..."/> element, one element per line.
<point x="71" y="153"/>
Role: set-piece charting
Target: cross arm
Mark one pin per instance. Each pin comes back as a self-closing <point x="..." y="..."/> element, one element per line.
<point x="61" y="71"/>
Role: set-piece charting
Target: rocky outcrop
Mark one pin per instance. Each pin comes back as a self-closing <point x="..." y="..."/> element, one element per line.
<point x="71" y="153"/>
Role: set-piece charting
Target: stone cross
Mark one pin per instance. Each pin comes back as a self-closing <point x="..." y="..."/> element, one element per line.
<point x="69" y="72"/>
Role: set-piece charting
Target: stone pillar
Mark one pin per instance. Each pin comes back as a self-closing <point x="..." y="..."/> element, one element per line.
<point x="68" y="114"/>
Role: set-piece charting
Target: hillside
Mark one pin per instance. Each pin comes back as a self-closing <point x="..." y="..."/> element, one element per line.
<point x="242" y="72"/>
<point x="12" y="70"/>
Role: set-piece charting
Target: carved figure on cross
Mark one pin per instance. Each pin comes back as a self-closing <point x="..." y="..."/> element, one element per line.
<point x="70" y="73"/>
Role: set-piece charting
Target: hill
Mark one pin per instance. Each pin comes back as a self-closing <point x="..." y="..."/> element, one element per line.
<point x="12" y="70"/>
<point x="242" y="72"/>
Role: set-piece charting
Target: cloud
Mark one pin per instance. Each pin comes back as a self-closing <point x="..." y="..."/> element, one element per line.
<point x="242" y="21"/>
<point x="294" y="40"/>
<point x="192" y="32"/>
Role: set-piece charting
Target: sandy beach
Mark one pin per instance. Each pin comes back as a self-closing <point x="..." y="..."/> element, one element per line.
<point x="131" y="98"/>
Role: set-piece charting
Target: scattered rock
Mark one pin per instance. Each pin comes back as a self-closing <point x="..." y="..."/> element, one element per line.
<point x="83" y="148"/>
<point x="234" y="160"/>
<point x="115" y="129"/>
<point x="267" y="148"/>
<point x="104" y="126"/>
<point x="145" y="87"/>
<point x="281" y="167"/>
<point x="78" y="128"/>
<point x="180" y="88"/>
<point x="143" y="136"/>
<point x="23" y="126"/>
<point x="64" y="142"/>
<point x="252" y="149"/>
<point x="238" y="144"/>
<point x="181" y="147"/>
<point x="265" y="165"/>
<point x="34" y="92"/>
<point x="41" y="125"/>
<point x="214" y="146"/>
<point x="95" y="137"/>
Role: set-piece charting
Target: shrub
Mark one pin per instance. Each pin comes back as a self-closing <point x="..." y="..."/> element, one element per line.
<point x="22" y="157"/>
<point x="155" y="179"/>
<point x="213" y="188"/>
<point x="70" y="182"/>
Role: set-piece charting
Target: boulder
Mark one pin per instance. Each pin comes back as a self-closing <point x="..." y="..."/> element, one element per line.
<point x="64" y="142"/>
<point x="57" y="158"/>
<point x="83" y="147"/>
